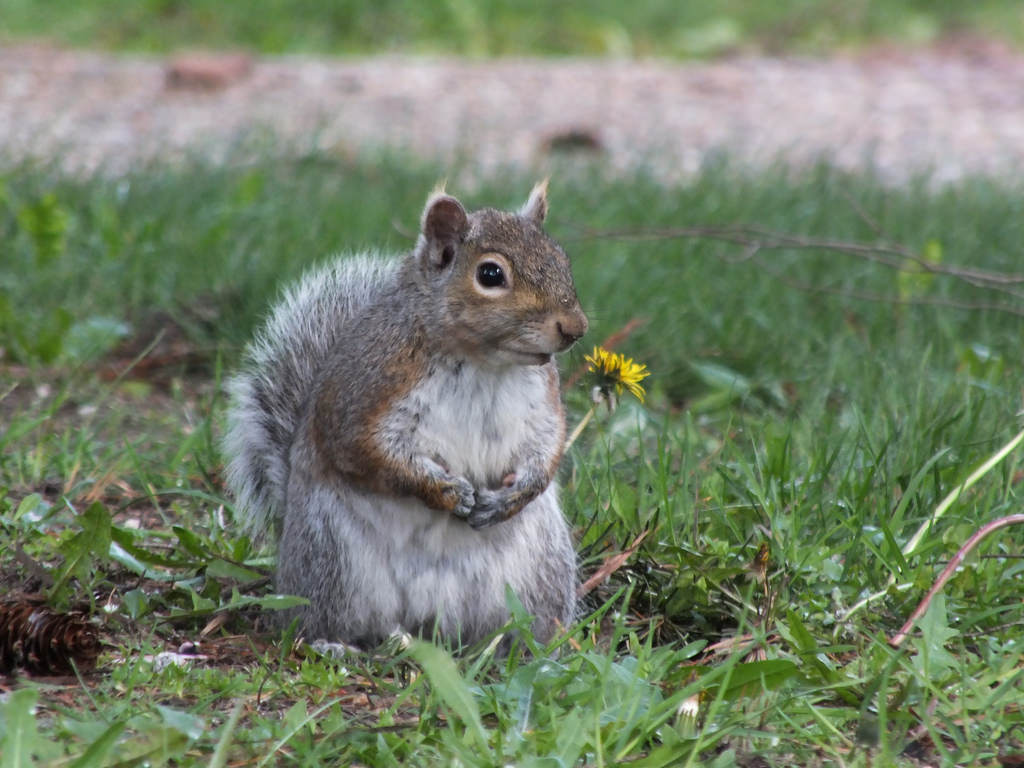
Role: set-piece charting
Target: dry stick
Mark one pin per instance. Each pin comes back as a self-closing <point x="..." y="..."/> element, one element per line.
<point x="863" y="215"/>
<point x="944" y="505"/>
<point x="947" y="573"/>
<point x="610" y="565"/>
<point x="755" y="239"/>
<point x="880" y="298"/>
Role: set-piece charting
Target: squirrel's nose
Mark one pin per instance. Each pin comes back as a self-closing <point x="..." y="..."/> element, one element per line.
<point x="571" y="329"/>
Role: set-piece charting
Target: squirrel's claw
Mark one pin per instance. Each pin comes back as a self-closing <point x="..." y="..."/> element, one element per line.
<point x="492" y="507"/>
<point x="465" y="496"/>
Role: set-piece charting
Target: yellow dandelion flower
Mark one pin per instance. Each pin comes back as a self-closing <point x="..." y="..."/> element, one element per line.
<point x="617" y="372"/>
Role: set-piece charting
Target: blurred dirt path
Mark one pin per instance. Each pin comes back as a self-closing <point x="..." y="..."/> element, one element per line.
<point x="952" y="110"/>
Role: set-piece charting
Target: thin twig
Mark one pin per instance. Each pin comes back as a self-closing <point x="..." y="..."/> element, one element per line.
<point x="943" y="506"/>
<point x="610" y="565"/>
<point x="928" y="301"/>
<point x="892" y="255"/>
<point x="862" y="214"/>
<point x="947" y="573"/>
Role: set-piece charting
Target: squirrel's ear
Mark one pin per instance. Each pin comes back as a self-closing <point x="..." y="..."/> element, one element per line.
<point x="444" y="218"/>
<point x="536" y="206"/>
<point x="443" y="225"/>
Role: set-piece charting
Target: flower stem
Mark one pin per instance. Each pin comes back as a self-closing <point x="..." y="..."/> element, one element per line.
<point x="580" y="427"/>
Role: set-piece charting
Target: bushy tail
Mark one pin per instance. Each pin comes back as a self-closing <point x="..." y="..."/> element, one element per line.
<point x="279" y="370"/>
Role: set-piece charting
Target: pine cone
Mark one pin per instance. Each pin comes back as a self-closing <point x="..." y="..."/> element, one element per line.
<point x="43" y="641"/>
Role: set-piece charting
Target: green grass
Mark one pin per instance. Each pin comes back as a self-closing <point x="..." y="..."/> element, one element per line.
<point x="501" y="27"/>
<point x="817" y="424"/>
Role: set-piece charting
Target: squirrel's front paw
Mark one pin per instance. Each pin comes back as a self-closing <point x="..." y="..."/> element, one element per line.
<point x="459" y="496"/>
<point x="492" y="507"/>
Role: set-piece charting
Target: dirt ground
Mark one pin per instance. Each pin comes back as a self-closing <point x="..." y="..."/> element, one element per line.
<point x="951" y="110"/>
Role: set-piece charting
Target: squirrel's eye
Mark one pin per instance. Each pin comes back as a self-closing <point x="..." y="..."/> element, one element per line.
<point x="490" y="275"/>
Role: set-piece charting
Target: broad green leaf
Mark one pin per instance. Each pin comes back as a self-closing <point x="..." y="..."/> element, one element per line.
<point x="92" y="541"/>
<point x="154" y="745"/>
<point x="127" y="560"/>
<point x="755" y="677"/>
<point x="185" y="723"/>
<point x="572" y="737"/>
<point x="297" y="717"/>
<point x="136" y="603"/>
<point x="720" y="378"/>
<point x="97" y="752"/>
<point x="191" y="542"/>
<point x="125" y="551"/>
<point x="219" y="568"/>
<point x="932" y="660"/>
<point x="20" y="739"/>
<point x="445" y="679"/>
<point x="269" y="602"/>
<point x="280" y="602"/>
<point x="30" y="506"/>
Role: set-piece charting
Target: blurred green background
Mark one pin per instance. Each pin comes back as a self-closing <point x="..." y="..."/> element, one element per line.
<point x="507" y="27"/>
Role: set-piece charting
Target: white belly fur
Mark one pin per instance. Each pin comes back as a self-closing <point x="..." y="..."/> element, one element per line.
<point x="388" y="563"/>
<point x="473" y="423"/>
<point x="420" y="563"/>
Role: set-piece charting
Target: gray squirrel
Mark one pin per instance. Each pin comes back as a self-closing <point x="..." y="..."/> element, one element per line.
<point x="398" y="424"/>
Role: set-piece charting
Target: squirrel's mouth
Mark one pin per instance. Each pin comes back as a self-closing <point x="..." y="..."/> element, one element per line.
<point x="524" y="357"/>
